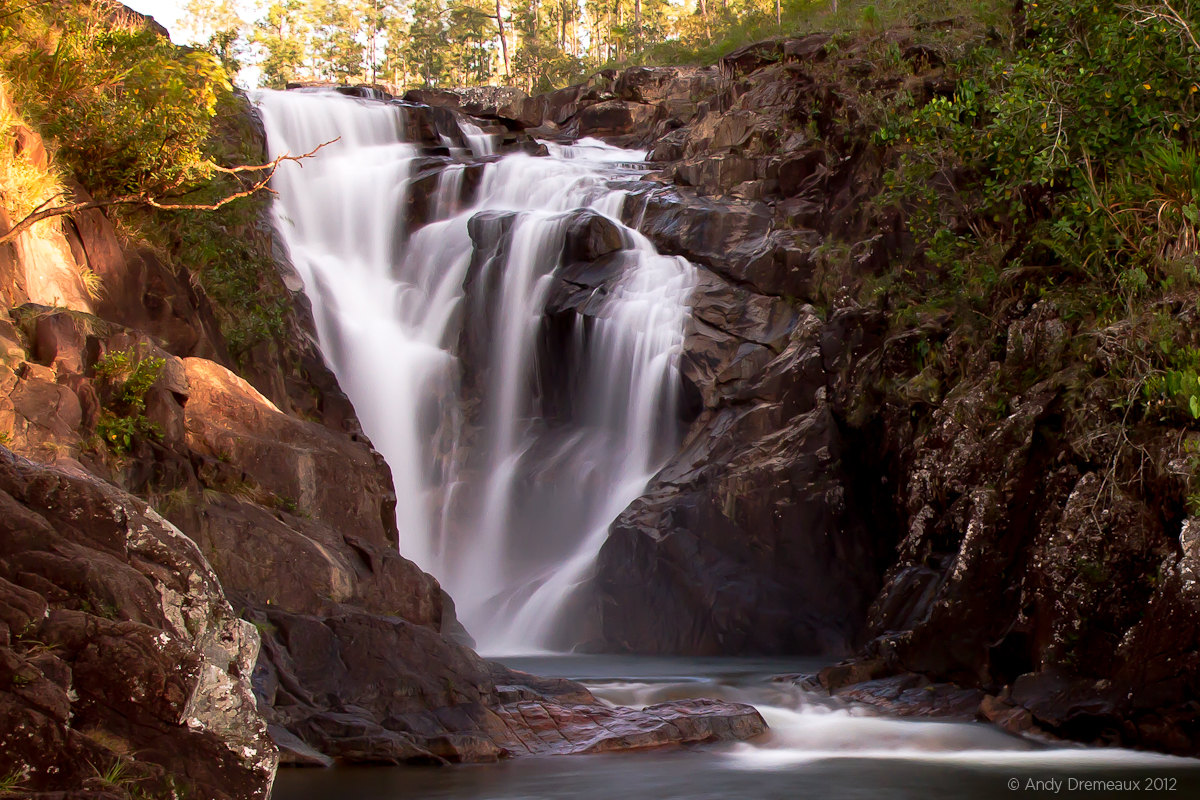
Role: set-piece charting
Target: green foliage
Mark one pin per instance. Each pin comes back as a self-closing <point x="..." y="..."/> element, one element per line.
<point x="14" y="781"/>
<point x="282" y="35"/>
<point x="1173" y="393"/>
<point x="232" y="260"/>
<point x="1075" y="150"/>
<point x="117" y="774"/>
<point x="127" y="111"/>
<point x="123" y="379"/>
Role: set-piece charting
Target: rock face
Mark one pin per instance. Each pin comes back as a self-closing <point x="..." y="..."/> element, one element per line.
<point x="320" y="577"/>
<point x="122" y="665"/>
<point x="971" y="532"/>
<point x="751" y="539"/>
<point x="951" y="504"/>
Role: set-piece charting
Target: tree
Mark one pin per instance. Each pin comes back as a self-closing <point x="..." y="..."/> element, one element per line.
<point x="470" y="41"/>
<point x="202" y="19"/>
<point x="424" y="49"/>
<point x="503" y="38"/>
<point x="171" y="198"/>
<point x="216" y="26"/>
<point x="335" y="46"/>
<point x="128" y="112"/>
<point x="282" y="33"/>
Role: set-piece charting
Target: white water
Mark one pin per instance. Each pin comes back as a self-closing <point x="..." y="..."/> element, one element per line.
<point x="817" y="747"/>
<point x="505" y="500"/>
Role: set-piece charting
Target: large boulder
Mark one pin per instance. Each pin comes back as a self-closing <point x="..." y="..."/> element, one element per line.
<point x="750" y="540"/>
<point x="122" y="665"/>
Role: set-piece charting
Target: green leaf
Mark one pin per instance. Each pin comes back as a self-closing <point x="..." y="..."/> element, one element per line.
<point x="1194" y="406"/>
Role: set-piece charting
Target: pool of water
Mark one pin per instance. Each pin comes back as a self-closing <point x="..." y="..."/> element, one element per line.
<point x="816" y="748"/>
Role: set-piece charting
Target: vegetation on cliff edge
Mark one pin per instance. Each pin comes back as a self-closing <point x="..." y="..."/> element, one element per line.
<point x="127" y="114"/>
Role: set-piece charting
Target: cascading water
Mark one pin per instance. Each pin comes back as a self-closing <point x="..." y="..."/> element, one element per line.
<point x="506" y="485"/>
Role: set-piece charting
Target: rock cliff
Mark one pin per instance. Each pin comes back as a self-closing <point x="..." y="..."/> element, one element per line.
<point x="955" y="500"/>
<point x="948" y="503"/>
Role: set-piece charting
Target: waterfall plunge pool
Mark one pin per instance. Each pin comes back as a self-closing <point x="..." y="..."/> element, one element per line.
<point x="816" y="748"/>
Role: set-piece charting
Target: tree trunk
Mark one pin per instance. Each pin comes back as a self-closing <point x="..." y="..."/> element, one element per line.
<point x="621" y="39"/>
<point x="503" y="41"/>
<point x="637" y="26"/>
<point x="704" y="14"/>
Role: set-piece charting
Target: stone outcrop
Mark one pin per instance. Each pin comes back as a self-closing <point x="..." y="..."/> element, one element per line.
<point x="999" y="542"/>
<point x="848" y="482"/>
<point x="122" y="665"/>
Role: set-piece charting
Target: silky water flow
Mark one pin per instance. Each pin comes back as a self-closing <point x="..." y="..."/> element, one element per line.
<point x="505" y="488"/>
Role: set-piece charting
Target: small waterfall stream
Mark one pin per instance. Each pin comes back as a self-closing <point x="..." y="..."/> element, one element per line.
<point x="514" y="438"/>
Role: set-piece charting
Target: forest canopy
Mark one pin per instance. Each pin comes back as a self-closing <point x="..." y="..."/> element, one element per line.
<point x="533" y="44"/>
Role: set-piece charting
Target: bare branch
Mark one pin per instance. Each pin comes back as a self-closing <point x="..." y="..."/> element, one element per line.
<point x="162" y="203"/>
<point x="34" y="4"/>
<point x="1171" y="17"/>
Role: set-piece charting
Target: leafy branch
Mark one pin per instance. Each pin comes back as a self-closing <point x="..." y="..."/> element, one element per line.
<point x="162" y="203"/>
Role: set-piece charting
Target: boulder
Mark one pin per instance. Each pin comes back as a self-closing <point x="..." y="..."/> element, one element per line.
<point x="117" y="646"/>
<point x="612" y="118"/>
<point x="331" y="478"/>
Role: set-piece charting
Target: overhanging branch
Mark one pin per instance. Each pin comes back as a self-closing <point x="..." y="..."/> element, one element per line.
<point x="161" y="203"/>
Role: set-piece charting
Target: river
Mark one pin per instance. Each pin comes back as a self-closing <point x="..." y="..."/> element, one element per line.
<point x="816" y="748"/>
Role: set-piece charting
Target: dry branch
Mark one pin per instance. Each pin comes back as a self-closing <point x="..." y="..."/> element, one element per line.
<point x="162" y="203"/>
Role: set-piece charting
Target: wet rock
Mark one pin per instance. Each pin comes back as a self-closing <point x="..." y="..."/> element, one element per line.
<point x="1006" y="715"/>
<point x="435" y="701"/>
<point x="591" y="236"/>
<point x="750" y="523"/>
<point x="564" y="729"/>
<point x="915" y="696"/>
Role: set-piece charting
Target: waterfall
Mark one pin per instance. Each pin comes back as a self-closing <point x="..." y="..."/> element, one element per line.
<point x="515" y="436"/>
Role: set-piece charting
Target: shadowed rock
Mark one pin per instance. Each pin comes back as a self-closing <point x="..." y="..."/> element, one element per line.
<point x="117" y="646"/>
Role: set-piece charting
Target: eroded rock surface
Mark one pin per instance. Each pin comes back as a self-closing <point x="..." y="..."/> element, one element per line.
<point x="973" y="495"/>
<point x="119" y="654"/>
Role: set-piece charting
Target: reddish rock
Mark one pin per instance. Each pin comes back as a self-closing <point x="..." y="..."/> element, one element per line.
<point x="302" y="463"/>
<point x="112" y="621"/>
<point x="29" y="146"/>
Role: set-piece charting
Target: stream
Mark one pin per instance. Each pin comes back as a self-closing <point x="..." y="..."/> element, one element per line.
<point x="816" y="748"/>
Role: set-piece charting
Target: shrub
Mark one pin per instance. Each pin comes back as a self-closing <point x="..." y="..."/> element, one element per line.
<point x="126" y="111"/>
<point x="123" y="380"/>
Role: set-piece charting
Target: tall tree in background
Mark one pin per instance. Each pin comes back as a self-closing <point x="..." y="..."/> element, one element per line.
<point x="336" y="46"/>
<point x="203" y="18"/>
<point x="282" y="34"/>
<point x="503" y="38"/>
<point x="424" y="41"/>
<point x="471" y="40"/>
<point x="534" y="44"/>
<point x="216" y="26"/>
